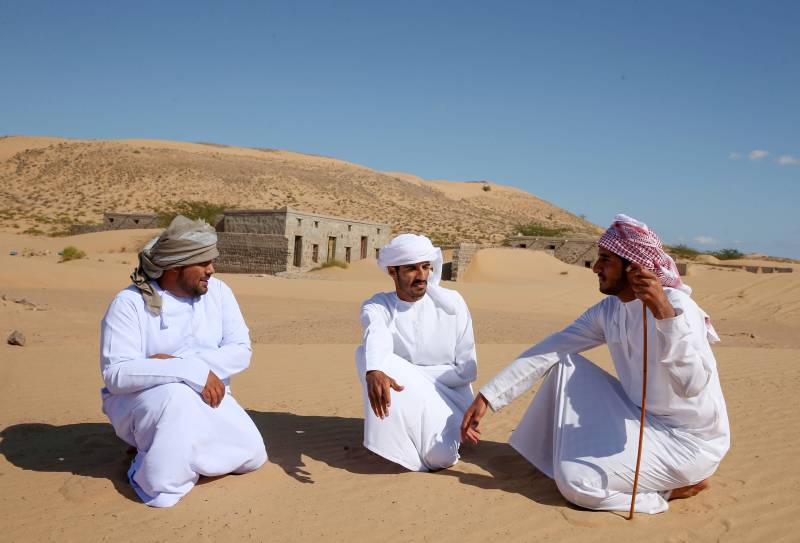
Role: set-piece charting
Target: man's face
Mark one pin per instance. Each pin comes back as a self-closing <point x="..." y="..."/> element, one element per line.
<point x="193" y="279"/>
<point x="610" y="272"/>
<point x="411" y="280"/>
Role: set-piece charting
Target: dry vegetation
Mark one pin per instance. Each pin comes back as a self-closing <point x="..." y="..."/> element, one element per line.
<point x="50" y="184"/>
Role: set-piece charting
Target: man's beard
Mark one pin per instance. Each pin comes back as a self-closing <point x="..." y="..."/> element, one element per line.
<point x="197" y="289"/>
<point x="614" y="288"/>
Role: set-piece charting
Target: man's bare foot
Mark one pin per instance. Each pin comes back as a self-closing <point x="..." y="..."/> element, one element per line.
<point x="689" y="491"/>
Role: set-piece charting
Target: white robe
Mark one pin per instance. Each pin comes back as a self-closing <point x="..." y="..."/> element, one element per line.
<point x="155" y="405"/>
<point x="582" y="426"/>
<point x="431" y="352"/>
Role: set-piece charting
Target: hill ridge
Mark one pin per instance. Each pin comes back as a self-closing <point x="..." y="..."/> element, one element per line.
<point x="51" y="182"/>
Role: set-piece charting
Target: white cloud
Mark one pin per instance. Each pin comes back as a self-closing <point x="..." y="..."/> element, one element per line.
<point x="734" y="156"/>
<point x="704" y="240"/>
<point x="787" y="160"/>
<point x="757" y="154"/>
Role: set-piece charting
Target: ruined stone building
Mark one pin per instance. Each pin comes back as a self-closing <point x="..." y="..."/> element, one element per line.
<point x="127" y="221"/>
<point x="272" y="241"/>
<point x="577" y="250"/>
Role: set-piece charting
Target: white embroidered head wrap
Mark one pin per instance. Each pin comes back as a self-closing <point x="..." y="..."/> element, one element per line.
<point x="411" y="249"/>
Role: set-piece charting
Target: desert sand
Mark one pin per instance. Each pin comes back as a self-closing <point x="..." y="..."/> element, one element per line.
<point x="62" y="470"/>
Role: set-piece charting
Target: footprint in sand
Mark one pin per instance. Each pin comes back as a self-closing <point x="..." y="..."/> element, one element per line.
<point x="75" y="489"/>
<point x="581" y="519"/>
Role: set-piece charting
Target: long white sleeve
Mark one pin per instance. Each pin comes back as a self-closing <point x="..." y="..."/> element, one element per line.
<point x="519" y="376"/>
<point x="378" y="340"/>
<point x="234" y="351"/>
<point x="680" y="341"/>
<point x="124" y="363"/>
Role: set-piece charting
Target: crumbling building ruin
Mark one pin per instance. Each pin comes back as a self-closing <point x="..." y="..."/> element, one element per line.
<point x="278" y="240"/>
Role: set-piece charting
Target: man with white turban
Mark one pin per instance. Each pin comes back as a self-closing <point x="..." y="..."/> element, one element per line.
<point x="169" y="344"/>
<point x="417" y="360"/>
<point x="582" y="426"/>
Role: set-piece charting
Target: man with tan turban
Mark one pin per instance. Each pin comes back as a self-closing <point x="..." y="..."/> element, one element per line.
<point x="582" y="426"/>
<point x="169" y="344"/>
<point x="417" y="360"/>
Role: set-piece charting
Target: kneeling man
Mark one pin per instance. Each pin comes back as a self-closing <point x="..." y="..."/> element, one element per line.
<point x="582" y="427"/>
<point x="417" y="360"/>
<point x="169" y="344"/>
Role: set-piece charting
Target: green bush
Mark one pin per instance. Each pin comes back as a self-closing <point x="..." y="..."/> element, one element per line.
<point x="535" y="229"/>
<point x="727" y="254"/>
<point x="72" y="253"/>
<point x="192" y="209"/>
<point x="487" y="187"/>
<point x="682" y="251"/>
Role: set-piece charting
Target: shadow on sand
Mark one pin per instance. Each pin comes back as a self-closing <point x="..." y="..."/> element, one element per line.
<point x="93" y="450"/>
<point x="336" y="441"/>
<point x="90" y="449"/>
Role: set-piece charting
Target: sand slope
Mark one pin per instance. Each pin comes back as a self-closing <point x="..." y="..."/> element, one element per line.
<point x="49" y="183"/>
<point x="62" y="469"/>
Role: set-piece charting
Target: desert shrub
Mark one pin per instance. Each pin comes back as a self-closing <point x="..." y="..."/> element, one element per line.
<point x="535" y="229"/>
<point x="332" y="263"/>
<point x="486" y="187"/>
<point x="682" y="251"/>
<point x="727" y="254"/>
<point x="72" y="253"/>
<point x="192" y="209"/>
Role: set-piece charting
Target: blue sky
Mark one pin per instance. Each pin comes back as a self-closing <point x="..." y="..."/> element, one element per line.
<point x="663" y="111"/>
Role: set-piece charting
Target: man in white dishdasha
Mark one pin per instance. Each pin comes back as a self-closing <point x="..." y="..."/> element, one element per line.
<point x="582" y="426"/>
<point x="169" y="344"/>
<point x="417" y="360"/>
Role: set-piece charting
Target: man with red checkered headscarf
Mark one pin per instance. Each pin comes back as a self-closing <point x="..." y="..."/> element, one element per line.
<point x="582" y="426"/>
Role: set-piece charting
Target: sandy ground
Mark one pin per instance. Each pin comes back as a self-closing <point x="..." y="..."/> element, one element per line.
<point x="62" y="468"/>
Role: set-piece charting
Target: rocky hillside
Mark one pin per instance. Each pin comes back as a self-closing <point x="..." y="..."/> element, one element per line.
<point x="46" y="184"/>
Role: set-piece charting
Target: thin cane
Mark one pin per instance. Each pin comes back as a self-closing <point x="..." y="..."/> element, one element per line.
<point x="641" y="423"/>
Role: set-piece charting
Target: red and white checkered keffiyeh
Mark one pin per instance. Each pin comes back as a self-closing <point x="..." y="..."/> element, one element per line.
<point x="634" y="241"/>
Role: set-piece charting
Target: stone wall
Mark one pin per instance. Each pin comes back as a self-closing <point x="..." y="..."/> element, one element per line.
<point x="754" y="269"/>
<point x="129" y="221"/>
<point x="251" y="253"/>
<point x="462" y="256"/>
<point x="311" y="239"/>
<point x="254" y="221"/>
<point x="320" y="238"/>
<point x="580" y="251"/>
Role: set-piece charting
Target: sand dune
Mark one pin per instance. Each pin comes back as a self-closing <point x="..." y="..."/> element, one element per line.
<point x="513" y="265"/>
<point x="50" y="183"/>
<point x="63" y="470"/>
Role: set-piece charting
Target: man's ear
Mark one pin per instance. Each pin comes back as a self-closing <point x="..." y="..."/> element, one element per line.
<point x="392" y="271"/>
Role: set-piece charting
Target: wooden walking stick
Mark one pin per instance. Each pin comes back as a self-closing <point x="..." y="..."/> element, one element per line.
<point x="641" y="422"/>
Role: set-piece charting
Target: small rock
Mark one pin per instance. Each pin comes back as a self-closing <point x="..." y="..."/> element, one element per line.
<point x="16" y="338"/>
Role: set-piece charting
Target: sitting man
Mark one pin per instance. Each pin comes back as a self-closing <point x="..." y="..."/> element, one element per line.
<point x="418" y="342"/>
<point x="582" y="426"/>
<point x="169" y="345"/>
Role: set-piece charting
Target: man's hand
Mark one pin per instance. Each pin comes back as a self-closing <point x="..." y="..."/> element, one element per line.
<point x="472" y="418"/>
<point x="647" y="287"/>
<point x="378" y="390"/>
<point x="162" y="356"/>
<point x="214" y="390"/>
